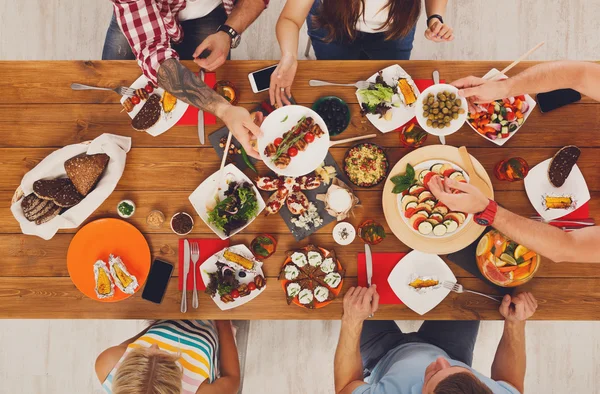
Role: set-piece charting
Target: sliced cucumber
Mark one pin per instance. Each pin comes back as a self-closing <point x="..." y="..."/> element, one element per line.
<point x="494" y="117"/>
<point x="440" y="230"/>
<point x="442" y="210"/>
<point x="504" y="130"/>
<point x="408" y="198"/>
<point x="425" y="196"/>
<point x="431" y="203"/>
<point x="437" y="216"/>
<point x="451" y="225"/>
<point x="462" y="216"/>
<point x="425" y="228"/>
<point x="456" y="174"/>
<point x="416" y="190"/>
<point x="504" y="122"/>
<point x="422" y="175"/>
<point x="497" y="107"/>
<point x="412" y="204"/>
<point x="520" y="120"/>
<point x="436" y="168"/>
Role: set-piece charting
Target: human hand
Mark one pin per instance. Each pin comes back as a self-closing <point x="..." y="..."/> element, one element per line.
<point x="524" y="307"/>
<point x="241" y="124"/>
<point x="360" y="303"/>
<point x="282" y="79"/>
<point x="480" y="91"/>
<point x="471" y="200"/>
<point x="438" y="31"/>
<point x="218" y="44"/>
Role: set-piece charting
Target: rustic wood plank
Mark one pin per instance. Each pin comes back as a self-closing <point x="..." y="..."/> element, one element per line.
<point x="57" y="298"/>
<point x="153" y="168"/>
<point x="57" y="125"/>
<point x="49" y="81"/>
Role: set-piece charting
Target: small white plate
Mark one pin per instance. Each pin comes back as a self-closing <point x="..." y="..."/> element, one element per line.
<point x="166" y="121"/>
<point x="418" y="168"/>
<point x="401" y="114"/>
<point x="538" y="186"/>
<point x="210" y="265"/>
<point x="530" y="101"/>
<point x="421" y="264"/>
<point x="207" y="189"/>
<point x="455" y="124"/>
<point x="284" y="119"/>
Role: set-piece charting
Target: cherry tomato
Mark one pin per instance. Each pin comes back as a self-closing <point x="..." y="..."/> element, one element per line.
<point x="235" y="293"/>
<point x="277" y="142"/>
<point x="135" y="100"/>
<point x="292" y="152"/>
<point x="251" y="286"/>
<point x="309" y="137"/>
<point x="149" y="88"/>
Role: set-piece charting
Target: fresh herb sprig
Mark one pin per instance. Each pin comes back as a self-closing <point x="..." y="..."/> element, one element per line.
<point x="404" y="181"/>
<point x="290" y="139"/>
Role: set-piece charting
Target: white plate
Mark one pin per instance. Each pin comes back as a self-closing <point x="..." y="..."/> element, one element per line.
<point x="210" y="265"/>
<point x="418" y="168"/>
<point x="217" y="183"/>
<point x="421" y="264"/>
<point x="537" y="186"/>
<point x="284" y="119"/>
<point x="166" y="121"/>
<point x="530" y="101"/>
<point x="455" y="124"/>
<point x="400" y="115"/>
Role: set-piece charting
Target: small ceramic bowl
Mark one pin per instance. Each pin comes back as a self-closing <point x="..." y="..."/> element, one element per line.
<point x="344" y="233"/>
<point x="185" y="214"/>
<point x="332" y="127"/>
<point x="124" y="215"/>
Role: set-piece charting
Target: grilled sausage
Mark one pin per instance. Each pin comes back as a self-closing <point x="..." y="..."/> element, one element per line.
<point x="270" y="150"/>
<point x="283" y="161"/>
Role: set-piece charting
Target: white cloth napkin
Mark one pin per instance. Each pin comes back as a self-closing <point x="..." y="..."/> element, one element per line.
<point x="115" y="146"/>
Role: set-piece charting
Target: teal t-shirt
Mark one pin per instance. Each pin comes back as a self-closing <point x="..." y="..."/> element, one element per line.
<point x="401" y="371"/>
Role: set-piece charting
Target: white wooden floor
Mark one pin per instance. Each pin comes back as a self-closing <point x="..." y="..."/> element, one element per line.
<point x="57" y="356"/>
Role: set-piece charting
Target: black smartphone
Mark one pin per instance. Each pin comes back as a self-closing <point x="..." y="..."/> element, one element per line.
<point x="261" y="80"/>
<point x="557" y="98"/>
<point x="158" y="279"/>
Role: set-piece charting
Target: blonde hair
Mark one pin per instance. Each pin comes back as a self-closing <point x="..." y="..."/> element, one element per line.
<point x="148" y="371"/>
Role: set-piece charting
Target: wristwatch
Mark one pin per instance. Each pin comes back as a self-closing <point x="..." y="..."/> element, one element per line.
<point x="486" y="218"/>
<point x="235" y="36"/>
<point x="435" y="16"/>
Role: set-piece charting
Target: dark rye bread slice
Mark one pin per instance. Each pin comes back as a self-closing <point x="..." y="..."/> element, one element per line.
<point x="30" y="203"/>
<point x="68" y="196"/>
<point x="85" y="171"/>
<point x="562" y="163"/>
<point x="61" y="191"/>
<point x="148" y="115"/>
<point x="47" y="207"/>
<point x="51" y="214"/>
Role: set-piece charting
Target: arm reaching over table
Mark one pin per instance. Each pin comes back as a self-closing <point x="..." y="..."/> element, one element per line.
<point x="557" y="245"/>
<point x="581" y="76"/>
<point x="510" y="361"/>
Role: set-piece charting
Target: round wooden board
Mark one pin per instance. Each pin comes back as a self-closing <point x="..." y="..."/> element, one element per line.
<point x="462" y="239"/>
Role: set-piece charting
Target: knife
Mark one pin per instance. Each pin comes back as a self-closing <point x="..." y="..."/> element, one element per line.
<point x="369" y="264"/>
<point x="201" y="116"/>
<point x="186" y="272"/>
<point x="436" y="81"/>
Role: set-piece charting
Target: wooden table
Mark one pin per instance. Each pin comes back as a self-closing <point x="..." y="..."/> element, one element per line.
<point x="40" y="113"/>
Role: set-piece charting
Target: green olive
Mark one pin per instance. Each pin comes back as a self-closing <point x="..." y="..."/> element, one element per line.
<point x="447" y="124"/>
<point x="425" y="107"/>
<point x="452" y="96"/>
<point x="447" y="119"/>
<point x="429" y="122"/>
<point x="445" y="110"/>
<point x="461" y="111"/>
<point x="425" y="114"/>
<point x="431" y="116"/>
<point x="430" y="100"/>
<point x="436" y="104"/>
<point x="458" y="102"/>
<point x="455" y="109"/>
<point x="454" y="115"/>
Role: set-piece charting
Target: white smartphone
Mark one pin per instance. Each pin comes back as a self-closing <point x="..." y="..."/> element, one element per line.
<point x="261" y="79"/>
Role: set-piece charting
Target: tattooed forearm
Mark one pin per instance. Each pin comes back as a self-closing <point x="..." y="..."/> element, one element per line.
<point x="186" y="86"/>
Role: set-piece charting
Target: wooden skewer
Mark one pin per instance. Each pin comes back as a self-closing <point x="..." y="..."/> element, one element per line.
<point x="362" y="137"/>
<point x="510" y="66"/>
<point x="224" y="159"/>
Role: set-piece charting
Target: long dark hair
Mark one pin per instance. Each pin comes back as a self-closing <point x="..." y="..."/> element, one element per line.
<point x="339" y="18"/>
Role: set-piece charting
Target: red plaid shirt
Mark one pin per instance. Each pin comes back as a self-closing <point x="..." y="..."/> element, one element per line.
<point x="150" y="26"/>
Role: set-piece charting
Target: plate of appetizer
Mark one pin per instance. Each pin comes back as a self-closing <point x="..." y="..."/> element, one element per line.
<point x="366" y="164"/>
<point x="556" y="186"/>
<point x="500" y="120"/>
<point x="311" y="277"/>
<point x="295" y="140"/>
<point x="227" y="201"/>
<point x="108" y="260"/>
<point x="233" y="277"/>
<point x="417" y="281"/>
<point x="389" y="102"/>
<point x="152" y="109"/>
<point x="419" y="208"/>
<point x="440" y="111"/>
<point x="401" y="179"/>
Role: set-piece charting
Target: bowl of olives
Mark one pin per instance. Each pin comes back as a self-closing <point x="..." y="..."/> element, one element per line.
<point x="335" y="113"/>
<point x="440" y="111"/>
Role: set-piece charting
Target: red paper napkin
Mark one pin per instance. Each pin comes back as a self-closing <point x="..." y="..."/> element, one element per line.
<point x="208" y="247"/>
<point x="422" y="84"/>
<point x="583" y="212"/>
<point x="190" y="117"/>
<point x="383" y="264"/>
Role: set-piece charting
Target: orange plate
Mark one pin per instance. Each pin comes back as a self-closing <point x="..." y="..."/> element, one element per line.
<point x="95" y="241"/>
<point x="317" y="304"/>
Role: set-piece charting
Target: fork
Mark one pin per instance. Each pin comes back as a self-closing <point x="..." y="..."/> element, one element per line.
<point x="121" y="90"/>
<point x="358" y="85"/>
<point x="195" y="254"/>
<point x="457" y="288"/>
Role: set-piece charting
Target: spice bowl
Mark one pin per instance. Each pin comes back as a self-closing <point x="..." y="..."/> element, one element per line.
<point x="126" y="208"/>
<point x="182" y="223"/>
<point x="344" y="233"/>
<point x="155" y="218"/>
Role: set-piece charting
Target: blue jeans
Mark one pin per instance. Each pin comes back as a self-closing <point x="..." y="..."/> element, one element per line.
<point x="195" y="31"/>
<point x="457" y="338"/>
<point x="372" y="45"/>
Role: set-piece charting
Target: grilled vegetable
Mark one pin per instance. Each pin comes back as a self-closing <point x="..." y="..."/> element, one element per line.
<point x="240" y="260"/>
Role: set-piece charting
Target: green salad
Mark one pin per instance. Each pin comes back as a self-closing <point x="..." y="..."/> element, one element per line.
<point x="239" y="206"/>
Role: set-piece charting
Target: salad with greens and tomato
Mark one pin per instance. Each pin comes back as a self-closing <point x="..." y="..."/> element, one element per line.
<point x="238" y="207"/>
<point x="501" y="118"/>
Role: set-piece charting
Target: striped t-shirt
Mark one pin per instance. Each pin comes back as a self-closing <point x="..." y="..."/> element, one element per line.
<point x="195" y="340"/>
